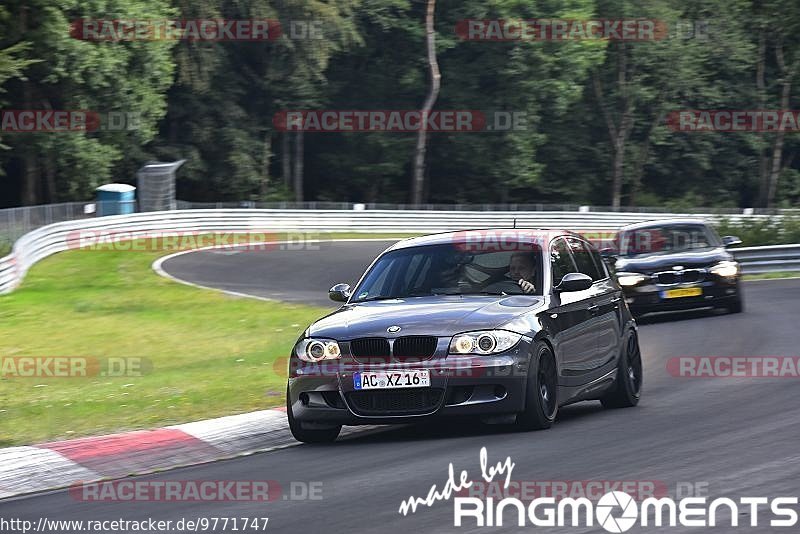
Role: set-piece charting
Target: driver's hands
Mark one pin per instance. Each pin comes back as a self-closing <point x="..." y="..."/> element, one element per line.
<point x="526" y="286"/>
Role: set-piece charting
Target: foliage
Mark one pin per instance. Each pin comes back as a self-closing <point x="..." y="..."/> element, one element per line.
<point x="213" y="103"/>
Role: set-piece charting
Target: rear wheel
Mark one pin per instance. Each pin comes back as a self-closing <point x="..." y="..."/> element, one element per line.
<point x="541" y="396"/>
<point x="628" y="387"/>
<point x="324" y="435"/>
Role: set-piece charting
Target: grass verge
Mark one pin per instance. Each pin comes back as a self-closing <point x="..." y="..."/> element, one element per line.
<point x="771" y="276"/>
<point x="203" y="354"/>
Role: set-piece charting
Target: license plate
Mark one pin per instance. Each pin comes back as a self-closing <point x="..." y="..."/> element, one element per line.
<point x="392" y="379"/>
<point x="682" y="292"/>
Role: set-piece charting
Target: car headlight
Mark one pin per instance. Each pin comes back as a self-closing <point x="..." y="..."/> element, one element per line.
<point x="316" y="350"/>
<point x="483" y="342"/>
<point x="630" y="279"/>
<point x="726" y="269"/>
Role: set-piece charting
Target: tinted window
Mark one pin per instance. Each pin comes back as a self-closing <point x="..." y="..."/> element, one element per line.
<point x="601" y="265"/>
<point x="451" y="269"/>
<point x="560" y="261"/>
<point x="583" y="258"/>
<point x="667" y="238"/>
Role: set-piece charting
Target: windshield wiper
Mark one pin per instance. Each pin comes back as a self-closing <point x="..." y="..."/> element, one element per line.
<point x="373" y="298"/>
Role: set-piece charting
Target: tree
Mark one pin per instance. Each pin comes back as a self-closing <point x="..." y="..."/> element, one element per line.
<point x="418" y="185"/>
<point x="64" y="73"/>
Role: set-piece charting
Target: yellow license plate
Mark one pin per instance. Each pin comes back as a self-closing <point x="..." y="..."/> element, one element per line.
<point x="683" y="292"/>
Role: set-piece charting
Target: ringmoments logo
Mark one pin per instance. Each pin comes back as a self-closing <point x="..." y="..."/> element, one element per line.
<point x="615" y="511"/>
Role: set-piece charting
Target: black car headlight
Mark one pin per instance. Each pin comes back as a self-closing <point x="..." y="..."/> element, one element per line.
<point x="725" y="269"/>
<point x="483" y="342"/>
<point x="317" y="349"/>
<point x="630" y="279"/>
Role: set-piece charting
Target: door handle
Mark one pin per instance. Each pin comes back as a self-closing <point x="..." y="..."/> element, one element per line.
<point x="592" y="308"/>
<point x="615" y="300"/>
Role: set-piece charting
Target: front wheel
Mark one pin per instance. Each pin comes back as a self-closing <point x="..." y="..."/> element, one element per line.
<point x="628" y="385"/>
<point x="541" y="396"/>
<point x="306" y="435"/>
<point x="737" y="306"/>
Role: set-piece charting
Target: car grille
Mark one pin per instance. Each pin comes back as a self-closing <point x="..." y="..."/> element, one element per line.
<point x="370" y="349"/>
<point x="688" y="276"/>
<point x="408" y="348"/>
<point x="411" y="401"/>
<point x="414" y="347"/>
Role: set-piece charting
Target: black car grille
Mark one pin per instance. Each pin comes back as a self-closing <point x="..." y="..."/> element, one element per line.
<point x="689" y="276"/>
<point x="408" y="348"/>
<point x="411" y="401"/>
<point x="414" y="347"/>
<point x="370" y="349"/>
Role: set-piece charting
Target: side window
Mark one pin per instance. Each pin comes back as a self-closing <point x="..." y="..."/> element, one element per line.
<point x="560" y="261"/>
<point x="601" y="265"/>
<point x="583" y="258"/>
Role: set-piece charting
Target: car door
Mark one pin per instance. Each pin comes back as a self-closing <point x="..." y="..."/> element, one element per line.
<point x="573" y="339"/>
<point x="603" y="307"/>
<point x="609" y="310"/>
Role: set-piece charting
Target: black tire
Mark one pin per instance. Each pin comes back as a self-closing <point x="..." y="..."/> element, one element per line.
<point x="627" y="388"/>
<point x="326" y="435"/>
<point x="736" y="306"/>
<point x="541" y="396"/>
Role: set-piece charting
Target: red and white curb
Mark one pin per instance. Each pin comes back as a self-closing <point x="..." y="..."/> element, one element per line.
<point x="60" y="464"/>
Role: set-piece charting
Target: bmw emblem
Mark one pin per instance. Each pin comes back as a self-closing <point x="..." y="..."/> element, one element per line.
<point x="393" y="329"/>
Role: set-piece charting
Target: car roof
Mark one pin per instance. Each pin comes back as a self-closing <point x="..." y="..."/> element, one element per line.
<point x="662" y="222"/>
<point x="542" y="234"/>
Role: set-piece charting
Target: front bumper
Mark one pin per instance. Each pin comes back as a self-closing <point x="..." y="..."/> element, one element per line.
<point x="460" y="385"/>
<point x="716" y="291"/>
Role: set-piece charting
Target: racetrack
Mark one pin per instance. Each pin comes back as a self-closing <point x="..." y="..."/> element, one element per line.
<point x="739" y="435"/>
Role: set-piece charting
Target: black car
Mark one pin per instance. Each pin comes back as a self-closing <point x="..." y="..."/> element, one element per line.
<point x="508" y="325"/>
<point x="676" y="265"/>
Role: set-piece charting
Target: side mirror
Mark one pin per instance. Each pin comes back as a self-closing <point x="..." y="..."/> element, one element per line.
<point x="574" y="282"/>
<point x="609" y="254"/>
<point x="731" y="240"/>
<point x="339" y="293"/>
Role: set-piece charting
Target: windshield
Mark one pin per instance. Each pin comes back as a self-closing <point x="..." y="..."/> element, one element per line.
<point x="666" y="239"/>
<point x="450" y="270"/>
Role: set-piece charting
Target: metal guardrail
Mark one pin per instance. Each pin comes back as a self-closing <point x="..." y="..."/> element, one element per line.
<point x="771" y="259"/>
<point x="50" y="239"/>
<point x="16" y="222"/>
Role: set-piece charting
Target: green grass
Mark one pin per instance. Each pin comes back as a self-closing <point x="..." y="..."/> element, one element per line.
<point x="769" y="276"/>
<point x="209" y="354"/>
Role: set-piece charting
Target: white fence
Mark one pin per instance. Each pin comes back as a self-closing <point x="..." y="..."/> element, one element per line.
<point x="42" y="242"/>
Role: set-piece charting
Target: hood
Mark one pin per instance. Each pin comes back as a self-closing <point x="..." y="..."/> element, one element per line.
<point x="433" y="316"/>
<point x="659" y="261"/>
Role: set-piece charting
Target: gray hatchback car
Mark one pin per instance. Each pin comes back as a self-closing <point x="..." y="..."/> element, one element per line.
<point x="506" y="324"/>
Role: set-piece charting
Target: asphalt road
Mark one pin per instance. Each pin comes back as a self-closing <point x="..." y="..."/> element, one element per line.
<point x="733" y="437"/>
<point x="289" y="272"/>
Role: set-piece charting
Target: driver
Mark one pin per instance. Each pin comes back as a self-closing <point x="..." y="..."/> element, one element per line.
<point x="522" y="270"/>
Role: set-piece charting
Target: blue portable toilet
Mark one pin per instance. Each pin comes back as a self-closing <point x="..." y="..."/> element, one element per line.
<point x="115" y="199"/>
